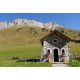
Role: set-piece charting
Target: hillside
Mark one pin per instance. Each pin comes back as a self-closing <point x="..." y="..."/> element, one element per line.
<point x="20" y="36"/>
<point x="24" y="42"/>
<point x="27" y="35"/>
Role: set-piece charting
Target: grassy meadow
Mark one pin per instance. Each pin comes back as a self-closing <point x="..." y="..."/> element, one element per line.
<point x="32" y="51"/>
<point x="24" y="43"/>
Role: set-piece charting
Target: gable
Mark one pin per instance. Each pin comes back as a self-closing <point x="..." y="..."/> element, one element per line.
<point x="54" y="39"/>
<point x="55" y="35"/>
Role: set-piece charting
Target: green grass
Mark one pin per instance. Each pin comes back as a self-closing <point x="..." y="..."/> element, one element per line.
<point x="13" y="63"/>
<point x="74" y="63"/>
<point x="20" y="43"/>
<point x="27" y="51"/>
<point x="75" y="48"/>
<point x="23" y="52"/>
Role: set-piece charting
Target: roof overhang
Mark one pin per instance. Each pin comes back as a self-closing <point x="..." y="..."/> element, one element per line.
<point x="57" y="33"/>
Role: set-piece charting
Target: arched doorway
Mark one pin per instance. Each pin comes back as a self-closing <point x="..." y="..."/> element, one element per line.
<point x="56" y="56"/>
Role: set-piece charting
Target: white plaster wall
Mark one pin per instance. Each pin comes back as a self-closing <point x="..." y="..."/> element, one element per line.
<point x="51" y="48"/>
<point x="45" y="43"/>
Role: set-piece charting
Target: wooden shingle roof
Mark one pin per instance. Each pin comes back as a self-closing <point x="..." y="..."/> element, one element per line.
<point x="57" y="33"/>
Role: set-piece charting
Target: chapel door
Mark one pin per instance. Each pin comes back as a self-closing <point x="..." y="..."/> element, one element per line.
<point x="56" y="56"/>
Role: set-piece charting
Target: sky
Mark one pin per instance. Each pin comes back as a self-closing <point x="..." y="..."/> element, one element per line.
<point x="68" y="20"/>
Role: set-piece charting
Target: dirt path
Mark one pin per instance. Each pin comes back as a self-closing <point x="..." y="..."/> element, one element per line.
<point x="60" y="65"/>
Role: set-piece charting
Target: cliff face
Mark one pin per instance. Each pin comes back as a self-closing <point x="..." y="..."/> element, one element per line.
<point x="27" y="22"/>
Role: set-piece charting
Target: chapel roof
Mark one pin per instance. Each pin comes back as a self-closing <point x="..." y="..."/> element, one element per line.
<point x="57" y="33"/>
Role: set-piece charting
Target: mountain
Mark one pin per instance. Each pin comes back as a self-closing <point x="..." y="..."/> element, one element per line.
<point x="15" y="39"/>
<point x="27" y="35"/>
<point x="23" y="31"/>
<point x="29" y="23"/>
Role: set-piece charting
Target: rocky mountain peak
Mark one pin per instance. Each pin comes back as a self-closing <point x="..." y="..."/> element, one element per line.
<point x="30" y="23"/>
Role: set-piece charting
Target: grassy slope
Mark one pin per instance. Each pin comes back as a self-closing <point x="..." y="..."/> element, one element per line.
<point x="75" y="48"/>
<point x="73" y="34"/>
<point x="28" y="51"/>
<point x="20" y="43"/>
<point x="15" y="37"/>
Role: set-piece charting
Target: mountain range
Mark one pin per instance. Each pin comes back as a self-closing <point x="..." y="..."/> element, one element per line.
<point x="29" y="23"/>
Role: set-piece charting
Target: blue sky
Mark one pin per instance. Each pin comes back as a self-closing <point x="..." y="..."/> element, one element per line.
<point x="68" y="20"/>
